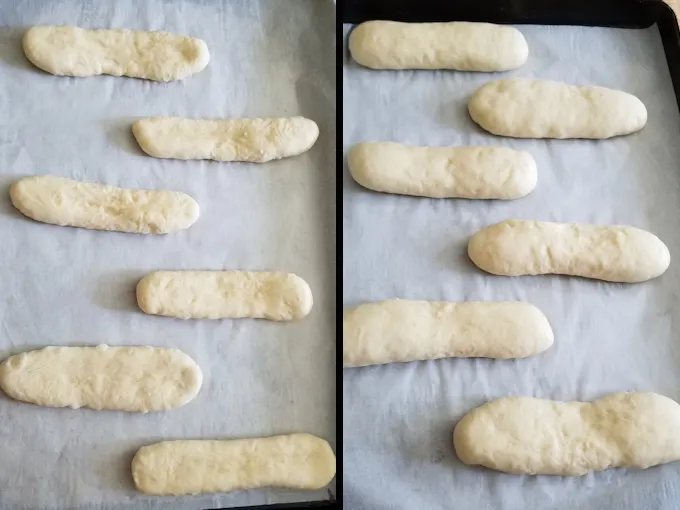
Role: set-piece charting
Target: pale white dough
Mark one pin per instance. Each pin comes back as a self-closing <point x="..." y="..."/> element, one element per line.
<point x="400" y="330"/>
<point x="443" y="172"/>
<point x="295" y="461"/>
<point x="256" y="140"/>
<point x="459" y="45"/>
<point x="225" y="295"/>
<point x="72" y="203"/>
<point x="74" y="51"/>
<point x="524" y="435"/>
<point x="614" y="253"/>
<point x="137" y="379"/>
<point x="532" y="108"/>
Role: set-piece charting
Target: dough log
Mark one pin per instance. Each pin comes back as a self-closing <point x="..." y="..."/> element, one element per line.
<point x="524" y="435"/>
<point x="224" y="295"/>
<point x="461" y="46"/>
<point x="614" y="253"/>
<point x="256" y="140"/>
<point x="443" y="172"/>
<point x="401" y="330"/>
<point x="296" y="461"/>
<point x="74" y="51"/>
<point x="139" y="379"/>
<point x="71" y="203"/>
<point x="531" y="108"/>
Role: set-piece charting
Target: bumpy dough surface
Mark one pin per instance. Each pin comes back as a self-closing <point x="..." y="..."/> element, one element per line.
<point x="257" y="140"/>
<point x="137" y="379"/>
<point x="400" y="330"/>
<point x="72" y="203"/>
<point x="524" y="435"/>
<point x="225" y="295"/>
<point x="74" y="51"/>
<point x="443" y="172"/>
<point x="532" y="108"/>
<point x="614" y="253"/>
<point x="461" y="46"/>
<point x="296" y="461"/>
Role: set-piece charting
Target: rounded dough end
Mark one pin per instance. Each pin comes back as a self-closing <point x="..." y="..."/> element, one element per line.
<point x="356" y="45"/>
<point x="192" y="213"/>
<point x="145" y="142"/>
<point x="527" y="180"/>
<point x="358" y="169"/>
<point x="306" y="300"/>
<point x="308" y="131"/>
<point x="29" y="41"/>
<point x="141" y="290"/>
<point x="522" y="49"/>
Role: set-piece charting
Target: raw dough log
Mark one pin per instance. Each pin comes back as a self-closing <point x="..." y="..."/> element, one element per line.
<point x="296" y="461"/>
<point x="224" y="295"/>
<point x="524" y="435"/>
<point x="402" y="330"/>
<point x="74" y="51"/>
<point x="614" y="253"/>
<point x="71" y="203"/>
<point x="137" y="379"/>
<point x="461" y="46"/>
<point x="531" y="108"/>
<point x="443" y="172"/>
<point x="256" y="140"/>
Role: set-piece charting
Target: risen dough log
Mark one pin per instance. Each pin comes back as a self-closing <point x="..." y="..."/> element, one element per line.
<point x="256" y="140"/>
<point x="138" y="379"/>
<point x="402" y="330"/>
<point x="443" y="172"/>
<point x="71" y="203"/>
<point x="74" y="51"/>
<point x="461" y="46"/>
<point x="296" y="461"/>
<point x="614" y="253"/>
<point x="531" y="108"/>
<point x="224" y="295"/>
<point x="524" y="435"/>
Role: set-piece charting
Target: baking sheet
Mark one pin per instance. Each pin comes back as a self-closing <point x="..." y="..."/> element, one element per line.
<point x="67" y="286"/>
<point x="398" y="419"/>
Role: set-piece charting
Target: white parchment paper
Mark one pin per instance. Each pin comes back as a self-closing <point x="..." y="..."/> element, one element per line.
<point x="398" y="419"/>
<point x="67" y="286"/>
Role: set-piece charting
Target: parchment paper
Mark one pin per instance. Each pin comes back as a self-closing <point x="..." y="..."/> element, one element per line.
<point x="67" y="286"/>
<point x="398" y="419"/>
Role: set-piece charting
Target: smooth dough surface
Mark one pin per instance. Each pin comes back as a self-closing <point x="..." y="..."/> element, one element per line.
<point x="74" y="51"/>
<point x="524" y="435"/>
<point x="462" y="46"/>
<point x="72" y="203"/>
<point x="533" y="108"/>
<point x="443" y="172"/>
<point x="614" y="253"/>
<point x="225" y="295"/>
<point x="139" y="379"/>
<point x="401" y="330"/>
<point x="256" y="140"/>
<point x="296" y="461"/>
